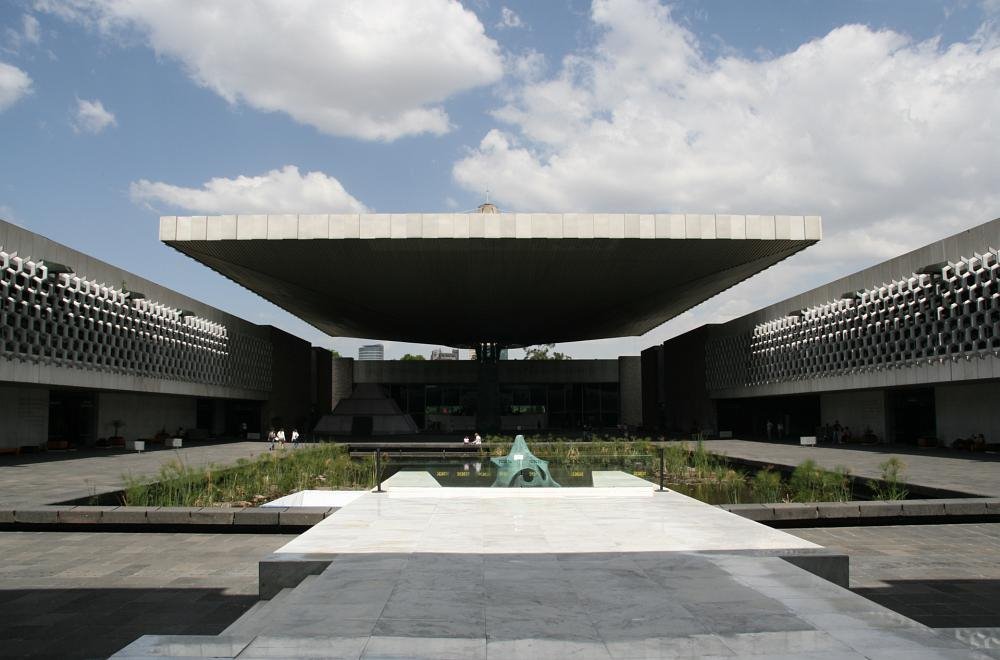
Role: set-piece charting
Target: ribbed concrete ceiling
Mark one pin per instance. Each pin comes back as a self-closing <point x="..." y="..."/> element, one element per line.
<point x="516" y="279"/>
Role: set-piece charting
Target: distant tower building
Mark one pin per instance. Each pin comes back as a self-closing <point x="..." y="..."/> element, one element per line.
<point x="372" y="352"/>
<point x="442" y="354"/>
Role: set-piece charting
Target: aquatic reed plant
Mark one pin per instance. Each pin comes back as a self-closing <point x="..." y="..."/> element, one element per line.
<point x="811" y="483"/>
<point x="251" y="482"/>
<point x="767" y="485"/>
<point x="891" y="486"/>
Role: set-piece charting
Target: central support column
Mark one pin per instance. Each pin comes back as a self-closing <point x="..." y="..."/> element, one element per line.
<point x="488" y="409"/>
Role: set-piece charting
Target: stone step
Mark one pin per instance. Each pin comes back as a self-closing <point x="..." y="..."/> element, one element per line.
<point x="257" y="616"/>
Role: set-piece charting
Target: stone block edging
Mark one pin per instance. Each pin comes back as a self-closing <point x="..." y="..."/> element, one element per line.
<point x="863" y="510"/>
<point x="301" y="516"/>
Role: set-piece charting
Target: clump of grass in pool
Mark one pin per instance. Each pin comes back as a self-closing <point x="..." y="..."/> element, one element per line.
<point x="892" y="485"/>
<point x="252" y="482"/>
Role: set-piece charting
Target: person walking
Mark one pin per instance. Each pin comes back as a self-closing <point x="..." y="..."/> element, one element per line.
<point x="295" y="436"/>
<point x="272" y="437"/>
<point x="770" y="429"/>
<point x="281" y="437"/>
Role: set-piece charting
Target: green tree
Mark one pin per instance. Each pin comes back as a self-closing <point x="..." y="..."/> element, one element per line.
<point x="334" y="353"/>
<point x="410" y="357"/>
<point x="542" y="352"/>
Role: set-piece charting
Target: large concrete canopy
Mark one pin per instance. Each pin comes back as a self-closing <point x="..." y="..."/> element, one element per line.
<point x="511" y="278"/>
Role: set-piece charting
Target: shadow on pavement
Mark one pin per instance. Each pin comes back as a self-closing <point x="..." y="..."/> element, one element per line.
<point x="94" y="623"/>
<point x="941" y="603"/>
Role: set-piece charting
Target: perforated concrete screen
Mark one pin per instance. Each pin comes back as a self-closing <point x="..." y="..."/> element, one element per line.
<point x="58" y="318"/>
<point x="949" y="313"/>
<point x="511" y="278"/>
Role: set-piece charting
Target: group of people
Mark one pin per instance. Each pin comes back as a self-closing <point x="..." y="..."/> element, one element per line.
<point x="278" y="438"/>
<point x="477" y="440"/>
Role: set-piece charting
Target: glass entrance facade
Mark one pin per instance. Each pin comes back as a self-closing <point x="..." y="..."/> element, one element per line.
<point x="561" y="405"/>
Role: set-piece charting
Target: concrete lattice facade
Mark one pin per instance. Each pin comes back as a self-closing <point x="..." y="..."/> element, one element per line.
<point x="61" y="319"/>
<point x="88" y="349"/>
<point x="950" y="314"/>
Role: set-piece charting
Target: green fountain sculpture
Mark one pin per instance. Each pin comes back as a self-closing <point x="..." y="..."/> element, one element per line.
<point x="522" y="469"/>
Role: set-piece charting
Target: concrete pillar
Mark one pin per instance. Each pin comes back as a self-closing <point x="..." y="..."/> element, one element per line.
<point x="488" y="414"/>
<point x="342" y="380"/>
<point x="630" y="390"/>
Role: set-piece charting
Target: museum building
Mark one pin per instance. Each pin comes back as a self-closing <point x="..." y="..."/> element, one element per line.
<point x="91" y="354"/>
<point x="905" y="351"/>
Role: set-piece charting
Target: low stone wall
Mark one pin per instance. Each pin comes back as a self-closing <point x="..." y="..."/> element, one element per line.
<point x="300" y="516"/>
<point x="788" y="512"/>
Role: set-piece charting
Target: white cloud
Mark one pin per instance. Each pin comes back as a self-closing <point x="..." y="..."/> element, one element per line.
<point x="371" y="69"/>
<point x="528" y="66"/>
<point x="31" y="31"/>
<point x="895" y="142"/>
<point x="277" y="191"/>
<point x="14" y="85"/>
<point x="92" y="117"/>
<point x="509" y="19"/>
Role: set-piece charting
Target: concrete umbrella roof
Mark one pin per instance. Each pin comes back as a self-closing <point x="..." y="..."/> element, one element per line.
<point x="514" y="278"/>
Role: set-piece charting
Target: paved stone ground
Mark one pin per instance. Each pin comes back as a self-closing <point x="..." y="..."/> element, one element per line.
<point x="36" y="479"/>
<point x="88" y="594"/>
<point x="566" y="605"/>
<point x="944" y="576"/>
<point x="977" y="474"/>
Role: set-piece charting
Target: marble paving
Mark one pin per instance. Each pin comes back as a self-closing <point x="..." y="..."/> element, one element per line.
<point x="555" y="574"/>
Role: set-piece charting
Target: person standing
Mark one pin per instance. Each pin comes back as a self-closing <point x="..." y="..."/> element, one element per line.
<point x="295" y="436"/>
<point x="781" y="431"/>
<point x="272" y="437"/>
<point x="770" y="429"/>
<point x="281" y="437"/>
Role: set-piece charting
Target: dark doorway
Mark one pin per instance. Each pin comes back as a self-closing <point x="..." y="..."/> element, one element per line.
<point x="238" y="413"/>
<point x="205" y="414"/>
<point x="911" y="414"/>
<point x="747" y="418"/>
<point x="72" y="420"/>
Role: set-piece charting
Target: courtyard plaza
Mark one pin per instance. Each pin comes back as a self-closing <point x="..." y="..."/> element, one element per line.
<point x="614" y="571"/>
<point x="101" y="590"/>
<point x="87" y="594"/>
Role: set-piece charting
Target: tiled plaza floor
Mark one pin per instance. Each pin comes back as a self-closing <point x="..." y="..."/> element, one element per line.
<point x="86" y="594"/>
<point x="972" y="473"/>
<point x="944" y="576"/>
<point x="37" y="479"/>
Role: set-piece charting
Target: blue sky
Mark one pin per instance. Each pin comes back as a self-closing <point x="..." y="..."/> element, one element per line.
<point x="877" y="115"/>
